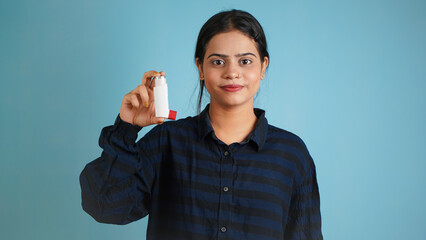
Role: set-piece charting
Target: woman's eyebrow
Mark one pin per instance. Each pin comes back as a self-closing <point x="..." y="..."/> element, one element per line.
<point x="225" y="56"/>
<point x="218" y="55"/>
<point x="245" y="54"/>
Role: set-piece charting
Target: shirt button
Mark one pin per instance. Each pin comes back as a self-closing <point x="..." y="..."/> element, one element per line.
<point x="223" y="229"/>
<point x="225" y="189"/>
<point x="226" y="153"/>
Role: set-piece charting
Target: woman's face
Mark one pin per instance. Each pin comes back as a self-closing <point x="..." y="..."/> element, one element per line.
<point x="232" y="69"/>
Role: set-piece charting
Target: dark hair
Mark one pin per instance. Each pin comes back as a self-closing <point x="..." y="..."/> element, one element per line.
<point x="226" y="21"/>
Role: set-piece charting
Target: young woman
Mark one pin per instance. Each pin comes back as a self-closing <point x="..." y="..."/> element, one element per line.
<point x="224" y="174"/>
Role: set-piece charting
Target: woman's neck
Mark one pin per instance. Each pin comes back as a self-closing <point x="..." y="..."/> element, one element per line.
<point x="232" y="124"/>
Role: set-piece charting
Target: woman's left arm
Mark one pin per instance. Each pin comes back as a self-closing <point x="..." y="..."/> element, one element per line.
<point x="304" y="220"/>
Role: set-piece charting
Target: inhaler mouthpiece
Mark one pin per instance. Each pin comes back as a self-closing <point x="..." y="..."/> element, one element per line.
<point x="161" y="99"/>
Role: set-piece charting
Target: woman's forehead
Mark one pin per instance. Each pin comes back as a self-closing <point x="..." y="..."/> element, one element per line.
<point x="231" y="43"/>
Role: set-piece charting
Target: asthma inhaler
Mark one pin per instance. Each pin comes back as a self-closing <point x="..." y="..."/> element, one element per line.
<point x="161" y="99"/>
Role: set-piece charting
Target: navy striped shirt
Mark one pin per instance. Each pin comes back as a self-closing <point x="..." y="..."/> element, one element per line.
<point x="193" y="186"/>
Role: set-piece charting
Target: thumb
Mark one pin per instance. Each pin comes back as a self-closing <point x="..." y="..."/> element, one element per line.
<point x="159" y="120"/>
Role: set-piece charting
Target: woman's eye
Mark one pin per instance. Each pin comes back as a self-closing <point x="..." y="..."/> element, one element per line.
<point x="246" y="61"/>
<point x="217" y="62"/>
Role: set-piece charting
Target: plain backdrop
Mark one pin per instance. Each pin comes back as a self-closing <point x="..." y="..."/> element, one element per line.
<point x="348" y="77"/>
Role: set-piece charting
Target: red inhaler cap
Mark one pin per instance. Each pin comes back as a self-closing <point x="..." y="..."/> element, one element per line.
<point x="172" y="115"/>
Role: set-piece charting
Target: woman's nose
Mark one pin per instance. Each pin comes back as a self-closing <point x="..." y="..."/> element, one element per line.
<point x="232" y="71"/>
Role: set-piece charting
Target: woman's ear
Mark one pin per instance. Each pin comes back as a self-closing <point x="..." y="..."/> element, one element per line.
<point x="200" y="69"/>
<point x="264" y="66"/>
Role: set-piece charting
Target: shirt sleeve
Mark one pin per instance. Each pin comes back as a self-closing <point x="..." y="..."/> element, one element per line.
<point x="116" y="187"/>
<point x="304" y="222"/>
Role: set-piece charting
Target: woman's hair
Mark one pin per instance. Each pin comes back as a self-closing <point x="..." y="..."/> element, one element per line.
<point x="224" y="22"/>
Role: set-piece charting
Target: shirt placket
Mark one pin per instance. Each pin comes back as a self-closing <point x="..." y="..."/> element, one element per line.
<point x="225" y="200"/>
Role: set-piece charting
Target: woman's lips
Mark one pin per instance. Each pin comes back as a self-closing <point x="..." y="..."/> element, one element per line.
<point x="232" y="87"/>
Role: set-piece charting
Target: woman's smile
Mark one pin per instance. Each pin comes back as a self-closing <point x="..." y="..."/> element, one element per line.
<point x="232" y="87"/>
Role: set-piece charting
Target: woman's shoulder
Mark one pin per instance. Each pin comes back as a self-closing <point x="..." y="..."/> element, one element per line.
<point x="162" y="134"/>
<point x="293" y="146"/>
<point x="187" y="124"/>
<point x="280" y="133"/>
<point x="287" y="139"/>
<point x="189" y="121"/>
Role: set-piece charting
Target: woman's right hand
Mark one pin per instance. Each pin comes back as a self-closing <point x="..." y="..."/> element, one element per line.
<point x="138" y="107"/>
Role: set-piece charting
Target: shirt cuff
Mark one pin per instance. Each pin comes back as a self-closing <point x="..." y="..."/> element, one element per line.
<point x="126" y="127"/>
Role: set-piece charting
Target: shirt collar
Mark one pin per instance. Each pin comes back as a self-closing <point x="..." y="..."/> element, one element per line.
<point x="258" y="135"/>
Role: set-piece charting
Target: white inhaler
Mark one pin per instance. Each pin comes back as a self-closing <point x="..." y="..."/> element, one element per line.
<point x="161" y="99"/>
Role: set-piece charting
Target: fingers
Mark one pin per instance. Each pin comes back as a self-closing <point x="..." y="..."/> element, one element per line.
<point x="143" y="93"/>
<point x="147" y="76"/>
<point x="137" y="106"/>
<point x="146" y="79"/>
<point x="134" y="101"/>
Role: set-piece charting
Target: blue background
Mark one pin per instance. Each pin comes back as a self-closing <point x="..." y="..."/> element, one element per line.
<point x="348" y="77"/>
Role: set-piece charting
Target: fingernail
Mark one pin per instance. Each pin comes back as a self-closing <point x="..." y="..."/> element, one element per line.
<point x="147" y="104"/>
